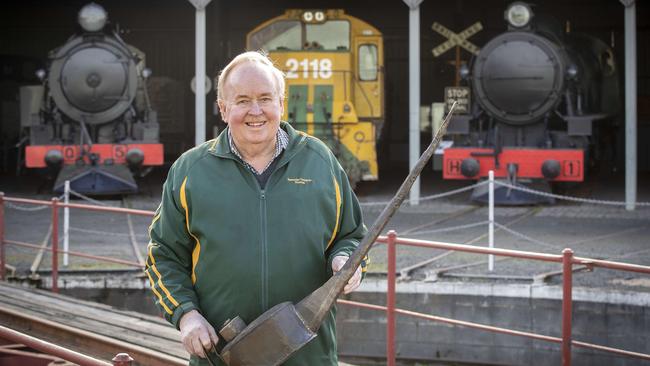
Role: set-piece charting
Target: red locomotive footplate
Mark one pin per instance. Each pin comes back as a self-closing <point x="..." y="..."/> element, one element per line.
<point x="35" y="154"/>
<point x="529" y="163"/>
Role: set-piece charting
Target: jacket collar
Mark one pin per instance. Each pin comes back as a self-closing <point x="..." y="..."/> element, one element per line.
<point x="221" y="148"/>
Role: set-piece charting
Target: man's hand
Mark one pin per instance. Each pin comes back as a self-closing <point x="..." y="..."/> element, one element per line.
<point x="355" y="280"/>
<point x="197" y="334"/>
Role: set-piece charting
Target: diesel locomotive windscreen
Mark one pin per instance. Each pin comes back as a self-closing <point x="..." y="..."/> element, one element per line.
<point x="293" y="35"/>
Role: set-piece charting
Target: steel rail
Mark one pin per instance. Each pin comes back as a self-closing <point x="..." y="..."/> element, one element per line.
<point x="49" y="348"/>
<point x="455" y="215"/>
<point x="13" y="351"/>
<point x="404" y="272"/>
<point x="132" y="237"/>
<point x="495" y="329"/>
<point x="84" y="339"/>
<point x="77" y="254"/>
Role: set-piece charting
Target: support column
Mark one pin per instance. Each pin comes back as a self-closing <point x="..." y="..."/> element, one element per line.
<point x="199" y="93"/>
<point x="630" y="105"/>
<point x="414" y="93"/>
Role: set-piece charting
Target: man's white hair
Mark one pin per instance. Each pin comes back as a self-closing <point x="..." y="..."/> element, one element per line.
<point x="255" y="57"/>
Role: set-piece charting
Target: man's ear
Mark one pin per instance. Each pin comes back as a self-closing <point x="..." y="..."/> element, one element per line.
<point x="222" y="110"/>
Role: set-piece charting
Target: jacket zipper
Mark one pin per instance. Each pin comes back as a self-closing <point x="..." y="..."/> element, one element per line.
<point x="263" y="229"/>
<point x="264" y="248"/>
<point x="263" y="242"/>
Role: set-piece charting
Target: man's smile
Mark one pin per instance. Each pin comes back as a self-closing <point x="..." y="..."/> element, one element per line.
<point x="255" y="124"/>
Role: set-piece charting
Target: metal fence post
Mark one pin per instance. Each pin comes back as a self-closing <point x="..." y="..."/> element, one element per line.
<point x="66" y="223"/>
<point x="122" y="359"/>
<point x="491" y="219"/>
<point x="567" y="302"/>
<point x="390" y="300"/>
<point x="2" y="236"/>
<point x="55" y="244"/>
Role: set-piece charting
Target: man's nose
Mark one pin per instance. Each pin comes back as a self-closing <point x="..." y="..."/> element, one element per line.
<point x="255" y="108"/>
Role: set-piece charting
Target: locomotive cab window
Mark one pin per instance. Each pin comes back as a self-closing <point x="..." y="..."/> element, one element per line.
<point x="292" y="35"/>
<point x="333" y="35"/>
<point x="367" y="62"/>
<point x="281" y="35"/>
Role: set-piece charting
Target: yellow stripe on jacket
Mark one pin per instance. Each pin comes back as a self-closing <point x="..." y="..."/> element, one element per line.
<point x="160" y="284"/>
<point x="197" y="248"/>
<point x="338" y="211"/>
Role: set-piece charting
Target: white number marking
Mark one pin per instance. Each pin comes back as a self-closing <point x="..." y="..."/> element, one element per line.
<point x="320" y="68"/>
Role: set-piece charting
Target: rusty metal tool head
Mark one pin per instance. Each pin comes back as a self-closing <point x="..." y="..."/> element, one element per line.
<point x="284" y="329"/>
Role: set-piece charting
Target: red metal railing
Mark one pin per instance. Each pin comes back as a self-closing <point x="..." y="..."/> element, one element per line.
<point x="121" y="359"/>
<point x="55" y="205"/>
<point x="566" y="258"/>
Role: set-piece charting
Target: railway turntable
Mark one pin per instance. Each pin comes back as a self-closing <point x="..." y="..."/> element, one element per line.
<point x="90" y="328"/>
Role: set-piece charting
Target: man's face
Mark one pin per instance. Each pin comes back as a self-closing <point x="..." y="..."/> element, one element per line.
<point x="251" y="106"/>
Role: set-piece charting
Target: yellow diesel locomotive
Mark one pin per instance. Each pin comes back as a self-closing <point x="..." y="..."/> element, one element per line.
<point x="334" y="65"/>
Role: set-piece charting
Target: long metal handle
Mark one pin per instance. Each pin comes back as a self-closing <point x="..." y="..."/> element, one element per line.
<point x="314" y="307"/>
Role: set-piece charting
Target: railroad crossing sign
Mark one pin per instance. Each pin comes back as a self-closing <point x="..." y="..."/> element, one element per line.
<point x="456" y="39"/>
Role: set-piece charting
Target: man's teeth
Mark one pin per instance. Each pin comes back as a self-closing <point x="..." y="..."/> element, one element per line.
<point x="254" y="124"/>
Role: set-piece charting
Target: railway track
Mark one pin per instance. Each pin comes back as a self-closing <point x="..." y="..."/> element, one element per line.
<point x="407" y="271"/>
<point x="460" y="265"/>
<point x="90" y="328"/>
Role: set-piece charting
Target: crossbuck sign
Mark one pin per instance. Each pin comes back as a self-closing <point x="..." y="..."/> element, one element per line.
<point x="456" y="39"/>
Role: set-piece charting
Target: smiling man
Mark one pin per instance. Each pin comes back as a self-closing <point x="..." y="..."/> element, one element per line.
<point x="260" y="215"/>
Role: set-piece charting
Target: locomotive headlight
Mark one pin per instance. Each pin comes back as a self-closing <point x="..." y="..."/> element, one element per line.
<point x="308" y="16"/>
<point x="572" y="72"/>
<point x="146" y="72"/>
<point x="464" y="72"/>
<point x="92" y="17"/>
<point x="40" y="74"/>
<point x="313" y="16"/>
<point x="518" y="14"/>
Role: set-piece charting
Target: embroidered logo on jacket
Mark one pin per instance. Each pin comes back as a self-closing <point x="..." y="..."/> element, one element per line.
<point x="299" y="180"/>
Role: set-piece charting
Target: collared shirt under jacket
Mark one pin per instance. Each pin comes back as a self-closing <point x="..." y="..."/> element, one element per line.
<point x="224" y="246"/>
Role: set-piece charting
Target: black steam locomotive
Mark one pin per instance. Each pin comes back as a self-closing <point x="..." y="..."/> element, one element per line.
<point x="541" y="97"/>
<point x="91" y="122"/>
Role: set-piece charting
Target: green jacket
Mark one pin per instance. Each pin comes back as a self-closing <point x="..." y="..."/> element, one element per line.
<point x="224" y="246"/>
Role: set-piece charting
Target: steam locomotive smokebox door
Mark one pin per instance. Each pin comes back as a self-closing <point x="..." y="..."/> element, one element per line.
<point x="98" y="84"/>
